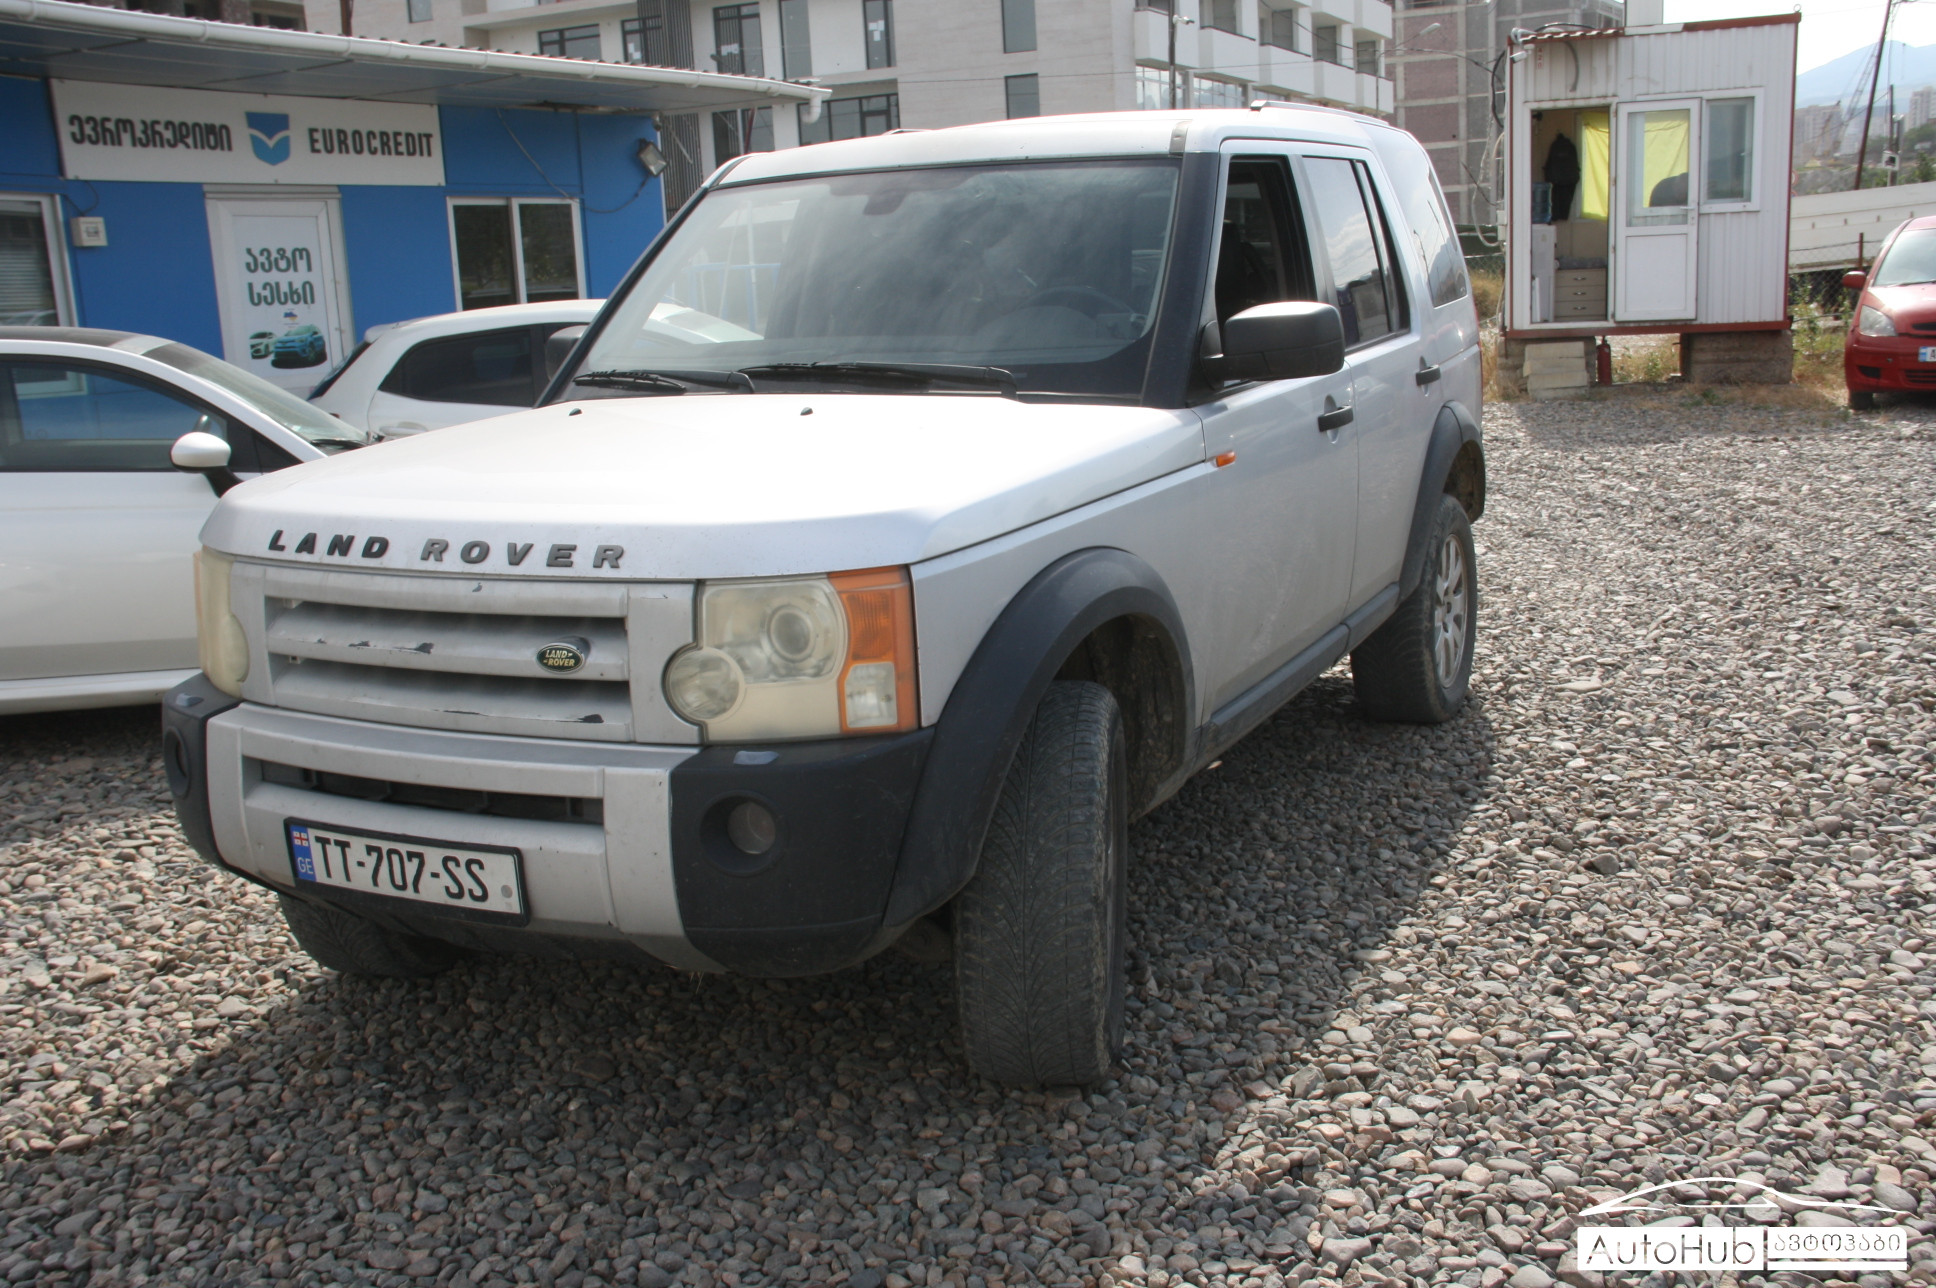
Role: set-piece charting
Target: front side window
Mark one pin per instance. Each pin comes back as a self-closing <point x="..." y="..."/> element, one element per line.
<point x="571" y="42"/>
<point x="852" y="118"/>
<point x="1049" y="271"/>
<point x="492" y="368"/>
<point x="272" y="401"/>
<point x="1730" y="149"/>
<point x="879" y="18"/>
<point x="1024" y="95"/>
<point x="1018" y="26"/>
<point x="1357" y="249"/>
<point x="515" y="251"/>
<point x="76" y="418"/>
<point x="737" y="133"/>
<point x="1262" y="254"/>
<point x="736" y="39"/>
<point x="30" y="293"/>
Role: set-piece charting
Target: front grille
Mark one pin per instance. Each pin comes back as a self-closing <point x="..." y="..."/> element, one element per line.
<point x="1919" y="377"/>
<point x="547" y="809"/>
<point x="1925" y="327"/>
<point x="460" y="654"/>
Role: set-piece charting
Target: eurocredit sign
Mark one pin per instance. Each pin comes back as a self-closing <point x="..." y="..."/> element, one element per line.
<point x="155" y="135"/>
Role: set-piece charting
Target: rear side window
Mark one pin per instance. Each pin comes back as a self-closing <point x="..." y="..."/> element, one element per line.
<point x="1427" y="221"/>
<point x="492" y="368"/>
<point x="76" y="418"/>
<point x="1357" y="246"/>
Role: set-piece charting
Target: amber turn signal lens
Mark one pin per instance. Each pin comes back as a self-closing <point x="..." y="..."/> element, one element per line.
<point x="877" y="685"/>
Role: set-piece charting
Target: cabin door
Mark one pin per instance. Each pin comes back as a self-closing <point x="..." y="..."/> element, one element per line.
<point x="1657" y="197"/>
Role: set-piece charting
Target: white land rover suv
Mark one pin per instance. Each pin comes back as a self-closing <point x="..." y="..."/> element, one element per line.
<point x="919" y="511"/>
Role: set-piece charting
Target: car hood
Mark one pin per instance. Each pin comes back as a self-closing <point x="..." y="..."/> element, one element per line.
<point x="695" y="486"/>
<point x="1906" y="305"/>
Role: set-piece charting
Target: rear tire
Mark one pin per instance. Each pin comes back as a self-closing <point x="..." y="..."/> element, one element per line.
<point x="1417" y="667"/>
<point x="1862" y="400"/>
<point x="1039" y="931"/>
<point x="343" y="941"/>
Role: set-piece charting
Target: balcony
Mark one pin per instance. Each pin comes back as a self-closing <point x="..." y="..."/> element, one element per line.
<point x="1150" y="39"/>
<point x="1225" y="53"/>
<point x="1281" y="70"/>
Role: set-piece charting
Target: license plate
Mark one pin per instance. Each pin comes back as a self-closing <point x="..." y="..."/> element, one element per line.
<point x="472" y="882"/>
<point x="1927" y="353"/>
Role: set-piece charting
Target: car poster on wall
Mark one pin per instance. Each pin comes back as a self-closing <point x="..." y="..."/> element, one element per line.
<point x="279" y="290"/>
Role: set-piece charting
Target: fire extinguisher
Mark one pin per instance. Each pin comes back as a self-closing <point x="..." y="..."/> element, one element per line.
<point x="1603" y="362"/>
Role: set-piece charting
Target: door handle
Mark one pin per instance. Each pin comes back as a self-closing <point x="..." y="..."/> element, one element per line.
<point x="1337" y="419"/>
<point x="1426" y="376"/>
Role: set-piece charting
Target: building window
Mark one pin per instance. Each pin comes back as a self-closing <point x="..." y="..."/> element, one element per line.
<point x="32" y="280"/>
<point x="736" y="39"/>
<point x="852" y="118"/>
<point x="1018" y="27"/>
<point x="1278" y="27"/>
<point x="1730" y="149"/>
<point x="644" y="42"/>
<point x="1368" y="57"/>
<point x="879" y="17"/>
<point x="1159" y="89"/>
<point x="571" y="42"/>
<point x="1219" y="93"/>
<point x="796" y="50"/>
<point x="1221" y="14"/>
<point x="737" y="133"/>
<point x="1324" y="44"/>
<point x="515" y="251"/>
<point x="418" y="10"/>
<point x="1024" y="95"/>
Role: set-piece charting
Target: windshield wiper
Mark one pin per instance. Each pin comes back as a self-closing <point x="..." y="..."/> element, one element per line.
<point x="672" y="382"/>
<point x="921" y="373"/>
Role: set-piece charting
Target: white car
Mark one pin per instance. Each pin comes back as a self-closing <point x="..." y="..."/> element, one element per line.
<point x="97" y="526"/>
<point x="427" y="373"/>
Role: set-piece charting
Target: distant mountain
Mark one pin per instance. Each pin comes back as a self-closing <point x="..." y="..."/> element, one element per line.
<point x="1908" y="67"/>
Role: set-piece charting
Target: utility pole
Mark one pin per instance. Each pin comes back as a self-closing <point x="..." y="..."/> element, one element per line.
<point x="1862" y="153"/>
<point x="348" y="7"/>
<point x="1176" y="20"/>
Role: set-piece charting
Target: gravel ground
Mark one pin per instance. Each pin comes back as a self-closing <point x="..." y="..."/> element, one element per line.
<point x="1404" y="1000"/>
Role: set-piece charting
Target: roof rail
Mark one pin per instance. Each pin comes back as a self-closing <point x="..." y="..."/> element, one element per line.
<point x="1259" y="104"/>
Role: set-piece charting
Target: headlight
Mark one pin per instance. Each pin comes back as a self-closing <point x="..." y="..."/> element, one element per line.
<point x="803" y="657"/>
<point x="224" y="648"/>
<point x="1873" y="321"/>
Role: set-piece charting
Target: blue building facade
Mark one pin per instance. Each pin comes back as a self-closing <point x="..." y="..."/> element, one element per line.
<point x="533" y="204"/>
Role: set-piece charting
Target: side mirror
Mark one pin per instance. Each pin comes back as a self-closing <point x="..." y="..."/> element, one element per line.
<point x="558" y="347"/>
<point x="1282" y="341"/>
<point x="1855" y="281"/>
<point x="200" y="452"/>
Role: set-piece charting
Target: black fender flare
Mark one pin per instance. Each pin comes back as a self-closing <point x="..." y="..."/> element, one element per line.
<point x="993" y="701"/>
<point x="1451" y="432"/>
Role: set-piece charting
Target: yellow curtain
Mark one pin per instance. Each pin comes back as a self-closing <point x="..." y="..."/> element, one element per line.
<point x="1666" y="152"/>
<point x="1596" y="138"/>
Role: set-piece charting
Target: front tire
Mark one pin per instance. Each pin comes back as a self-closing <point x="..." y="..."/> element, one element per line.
<point x="343" y="941"/>
<point x="1862" y="400"/>
<point x="1417" y="667"/>
<point x="1039" y="931"/>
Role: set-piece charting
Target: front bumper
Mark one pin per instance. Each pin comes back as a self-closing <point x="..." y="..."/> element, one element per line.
<point x="1878" y="364"/>
<point x="638" y="865"/>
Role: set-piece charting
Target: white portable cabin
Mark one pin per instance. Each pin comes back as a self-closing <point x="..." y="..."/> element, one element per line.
<point x="1676" y="218"/>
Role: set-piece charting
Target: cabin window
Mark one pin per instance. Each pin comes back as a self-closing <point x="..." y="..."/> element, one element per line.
<point x="1730" y="149"/>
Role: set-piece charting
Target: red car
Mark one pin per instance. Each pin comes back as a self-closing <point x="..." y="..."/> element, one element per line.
<point x="1892" y="338"/>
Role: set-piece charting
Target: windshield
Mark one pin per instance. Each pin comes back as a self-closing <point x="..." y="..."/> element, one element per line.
<point x="279" y="405"/>
<point x="1911" y="259"/>
<point x="1047" y="271"/>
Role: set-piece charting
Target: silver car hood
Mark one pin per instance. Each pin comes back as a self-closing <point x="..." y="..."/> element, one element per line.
<point x="695" y="486"/>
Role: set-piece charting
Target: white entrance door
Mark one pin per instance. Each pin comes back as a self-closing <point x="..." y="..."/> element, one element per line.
<point x="1658" y="182"/>
<point x="284" y="302"/>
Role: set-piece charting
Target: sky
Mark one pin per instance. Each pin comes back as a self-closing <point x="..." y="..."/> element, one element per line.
<point x="1830" y="28"/>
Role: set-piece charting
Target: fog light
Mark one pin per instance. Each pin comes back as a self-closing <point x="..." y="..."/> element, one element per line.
<point x="752" y="828"/>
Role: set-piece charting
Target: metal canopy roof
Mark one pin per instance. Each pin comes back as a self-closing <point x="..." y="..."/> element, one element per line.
<point x="63" y="41"/>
